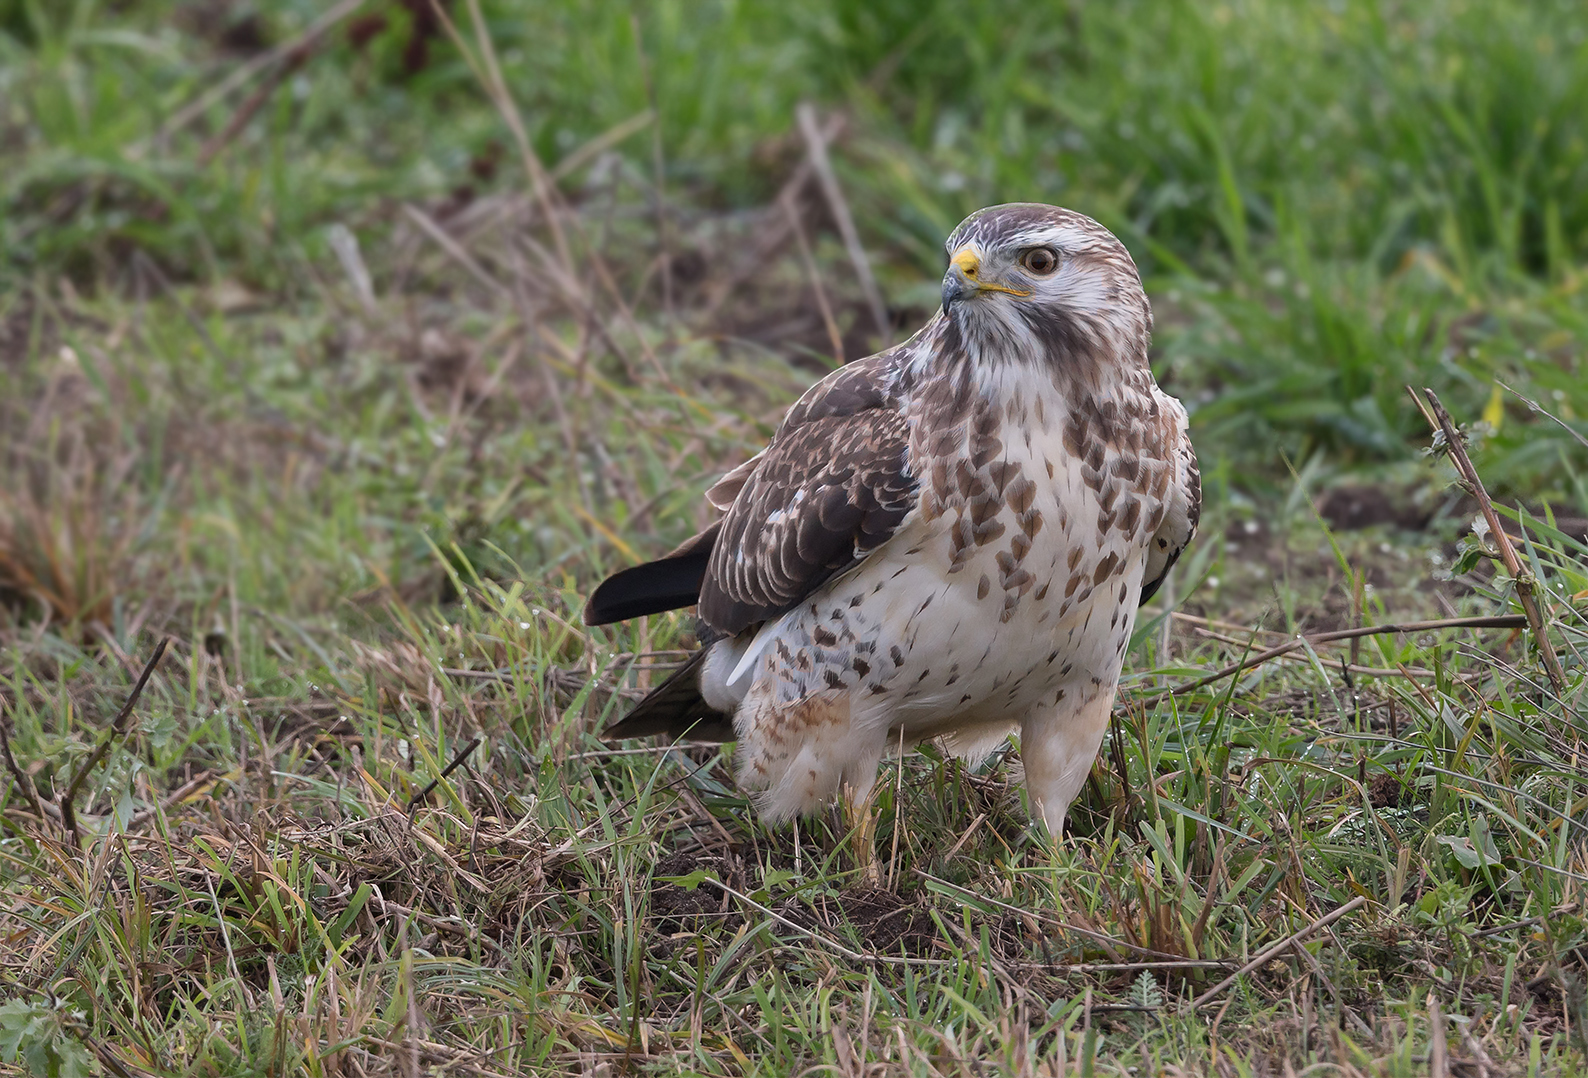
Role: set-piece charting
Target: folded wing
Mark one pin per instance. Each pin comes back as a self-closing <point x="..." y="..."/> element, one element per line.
<point x="832" y="487"/>
<point x="1180" y="522"/>
<point x="834" y="484"/>
<point x="826" y="494"/>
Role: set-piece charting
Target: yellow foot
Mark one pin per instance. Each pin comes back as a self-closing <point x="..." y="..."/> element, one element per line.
<point x="862" y="824"/>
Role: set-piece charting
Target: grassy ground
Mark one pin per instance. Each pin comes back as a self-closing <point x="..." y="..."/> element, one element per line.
<point x="352" y="393"/>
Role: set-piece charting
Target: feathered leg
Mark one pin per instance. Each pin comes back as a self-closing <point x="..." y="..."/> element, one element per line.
<point x="1058" y="743"/>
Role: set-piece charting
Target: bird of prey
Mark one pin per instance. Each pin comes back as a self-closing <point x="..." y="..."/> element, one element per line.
<point x="948" y="539"/>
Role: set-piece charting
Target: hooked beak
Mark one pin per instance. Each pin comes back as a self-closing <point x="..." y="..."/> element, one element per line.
<point x="964" y="278"/>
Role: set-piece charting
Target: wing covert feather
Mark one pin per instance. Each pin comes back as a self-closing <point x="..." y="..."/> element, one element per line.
<point x="1180" y="522"/>
<point x="825" y="494"/>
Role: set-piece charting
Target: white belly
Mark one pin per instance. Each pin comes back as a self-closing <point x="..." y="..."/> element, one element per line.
<point x="926" y="631"/>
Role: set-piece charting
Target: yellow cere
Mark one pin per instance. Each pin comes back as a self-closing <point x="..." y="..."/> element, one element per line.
<point x="969" y="264"/>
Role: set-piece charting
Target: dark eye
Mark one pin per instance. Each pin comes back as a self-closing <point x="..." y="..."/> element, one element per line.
<point x="1040" y="260"/>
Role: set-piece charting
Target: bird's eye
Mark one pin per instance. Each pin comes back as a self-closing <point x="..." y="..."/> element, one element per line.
<point x="1040" y="260"/>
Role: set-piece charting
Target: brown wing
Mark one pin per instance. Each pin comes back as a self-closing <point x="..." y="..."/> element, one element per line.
<point x="825" y="494"/>
<point x="831" y="487"/>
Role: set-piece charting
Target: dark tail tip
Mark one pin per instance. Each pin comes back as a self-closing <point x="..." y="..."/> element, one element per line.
<point x="670" y="583"/>
<point x="675" y="708"/>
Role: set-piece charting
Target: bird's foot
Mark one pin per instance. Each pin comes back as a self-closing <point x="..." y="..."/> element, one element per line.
<point x="860" y="819"/>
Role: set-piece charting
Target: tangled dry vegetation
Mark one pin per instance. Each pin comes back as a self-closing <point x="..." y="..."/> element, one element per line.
<point x="356" y="821"/>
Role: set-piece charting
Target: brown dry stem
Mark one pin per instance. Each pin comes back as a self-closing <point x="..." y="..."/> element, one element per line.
<point x="1526" y="587"/>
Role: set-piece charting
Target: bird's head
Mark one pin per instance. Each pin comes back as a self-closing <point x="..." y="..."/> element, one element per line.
<point x="1036" y="280"/>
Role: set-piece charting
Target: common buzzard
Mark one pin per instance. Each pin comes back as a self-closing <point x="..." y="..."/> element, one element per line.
<point x="948" y="539"/>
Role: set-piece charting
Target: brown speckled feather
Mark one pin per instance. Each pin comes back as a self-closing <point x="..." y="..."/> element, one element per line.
<point x="833" y="486"/>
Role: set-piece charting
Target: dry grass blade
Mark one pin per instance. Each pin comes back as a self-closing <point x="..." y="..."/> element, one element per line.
<point x="1526" y="594"/>
<point x="453" y="249"/>
<point x="1438" y="1049"/>
<point x="1497" y="621"/>
<point x="832" y="944"/>
<point x="61" y="545"/>
<point x="775" y="232"/>
<point x="1270" y="953"/>
<point x="117" y="728"/>
<point x="490" y="76"/>
<point x="658" y="167"/>
<point x="1539" y="409"/>
<point x="835" y="337"/>
<point x="573" y="162"/>
<point x="816" y="147"/>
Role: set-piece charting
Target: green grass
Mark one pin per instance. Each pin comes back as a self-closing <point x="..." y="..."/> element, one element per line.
<point x="367" y="524"/>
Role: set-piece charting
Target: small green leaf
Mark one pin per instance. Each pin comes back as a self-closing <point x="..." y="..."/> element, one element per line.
<point x="1461" y="846"/>
<point x="691" y="881"/>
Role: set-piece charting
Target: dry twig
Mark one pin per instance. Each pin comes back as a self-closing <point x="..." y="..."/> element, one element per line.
<point x="1270" y="953"/>
<point x="18" y="776"/>
<point x="457" y="761"/>
<point x="117" y="728"/>
<point x="247" y="71"/>
<point x="256" y="101"/>
<point x="1455" y="446"/>
<point x="816" y="145"/>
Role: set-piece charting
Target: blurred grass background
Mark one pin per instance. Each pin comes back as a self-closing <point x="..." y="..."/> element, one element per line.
<point x="311" y="376"/>
<point x="1330" y="200"/>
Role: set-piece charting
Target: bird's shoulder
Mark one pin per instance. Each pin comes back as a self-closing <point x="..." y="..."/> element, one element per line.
<point x="869" y="385"/>
<point x="834" y="484"/>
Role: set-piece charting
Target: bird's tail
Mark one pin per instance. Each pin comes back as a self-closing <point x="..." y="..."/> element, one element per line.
<point x="675" y="708"/>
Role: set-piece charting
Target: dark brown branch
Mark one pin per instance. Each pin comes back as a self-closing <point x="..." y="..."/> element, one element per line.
<point x="1456" y="447"/>
<point x="1496" y="621"/>
<point x="242" y="74"/>
<point x="457" y="761"/>
<point x="117" y="728"/>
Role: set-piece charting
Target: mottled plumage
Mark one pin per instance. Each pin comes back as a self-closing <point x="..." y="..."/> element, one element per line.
<point x="948" y="539"/>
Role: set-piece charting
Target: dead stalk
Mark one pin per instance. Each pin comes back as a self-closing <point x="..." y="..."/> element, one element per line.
<point x="808" y="261"/>
<point x="658" y="166"/>
<point x="117" y="728"/>
<point x="816" y="146"/>
<point x="774" y="233"/>
<point x="1455" y="446"/>
<point x="246" y="71"/>
<point x="457" y="760"/>
<point x="1497" y="621"/>
<point x="1270" y="953"/>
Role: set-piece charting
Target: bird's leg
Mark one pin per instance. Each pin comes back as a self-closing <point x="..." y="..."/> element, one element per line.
<point x="860" y="820"/>
<point x="1057" y="745"/>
